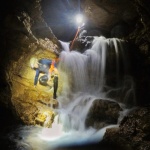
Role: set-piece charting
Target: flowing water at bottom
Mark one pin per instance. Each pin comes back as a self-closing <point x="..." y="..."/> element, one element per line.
<point x="84" y="78"/>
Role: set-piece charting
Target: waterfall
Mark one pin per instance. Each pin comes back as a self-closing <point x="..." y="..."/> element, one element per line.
<point x="65" y="45"/>
<point x="101" y="72"/>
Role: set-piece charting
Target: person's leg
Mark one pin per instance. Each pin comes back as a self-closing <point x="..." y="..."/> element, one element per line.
<point x="55" y="86"/>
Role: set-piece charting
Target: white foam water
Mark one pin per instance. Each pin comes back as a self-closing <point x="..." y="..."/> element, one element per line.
<point x="84" y="78"/>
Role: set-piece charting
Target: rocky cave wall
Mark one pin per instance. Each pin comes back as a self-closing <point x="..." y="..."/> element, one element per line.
<point x="116" y="18"/>
<point x="24" y="34"/>
<point x="133" y="131"/>
<point x="126" y="20"/>
<point x="140" y="39"/>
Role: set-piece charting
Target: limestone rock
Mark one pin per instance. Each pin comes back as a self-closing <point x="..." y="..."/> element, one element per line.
<point x="133" y="130"/>
<point x="26" y="35"/>
<point x="105" y="14"/>
<point x="103" y="113"/>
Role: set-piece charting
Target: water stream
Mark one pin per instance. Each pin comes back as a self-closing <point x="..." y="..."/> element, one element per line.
<point x="101" y="72"/>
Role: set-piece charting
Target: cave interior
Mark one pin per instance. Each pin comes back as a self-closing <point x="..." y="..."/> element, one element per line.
<point x="37" y="28"/>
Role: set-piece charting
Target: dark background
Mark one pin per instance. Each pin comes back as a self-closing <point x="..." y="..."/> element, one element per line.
<point x="60" y="16"/>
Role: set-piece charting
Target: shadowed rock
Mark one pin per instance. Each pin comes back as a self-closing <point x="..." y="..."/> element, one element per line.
<point x="103" y="113"/>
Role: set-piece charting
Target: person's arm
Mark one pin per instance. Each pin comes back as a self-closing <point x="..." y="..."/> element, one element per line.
<point x="36" y="77"/>
<point x="56" y="71"/>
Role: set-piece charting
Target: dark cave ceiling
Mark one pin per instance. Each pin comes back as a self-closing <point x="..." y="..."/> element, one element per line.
<point x="59" y="15"/>
<point x="108" y="16"/>
<point x="20" y="39"/>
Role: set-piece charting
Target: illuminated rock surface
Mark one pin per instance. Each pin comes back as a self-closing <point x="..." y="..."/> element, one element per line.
<point x="25" y="34"/>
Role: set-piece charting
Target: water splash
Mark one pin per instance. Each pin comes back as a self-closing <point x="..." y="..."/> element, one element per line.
<point x="29" y="138"/>
<point x="101" y="72"/>
<point x="65" y="45"/>
<point x="53" y="133"/>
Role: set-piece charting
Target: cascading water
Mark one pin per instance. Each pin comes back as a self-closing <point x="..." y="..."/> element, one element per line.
<point x="65" y="46"/>
<point x="101" y="72"/>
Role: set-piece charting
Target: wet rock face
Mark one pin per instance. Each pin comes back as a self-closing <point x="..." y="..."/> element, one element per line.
<point x="133" y="131"/>
<point x="140" y="39"/>
<point x="26" y="35"/>
<point x="114" y="16"/>
<point x="136" y="128"/>
<point x="103" y="113"/>
<point x="82" y="43"/>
